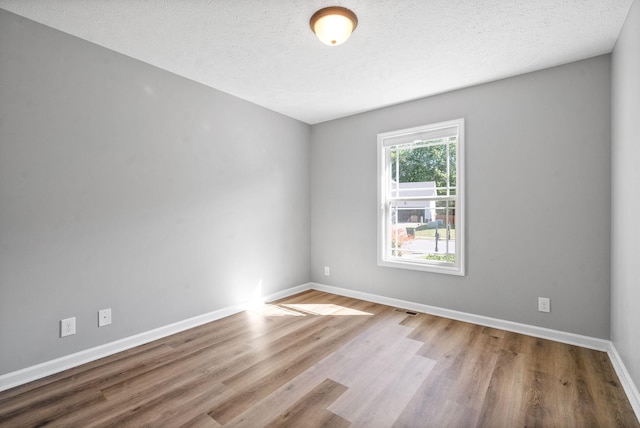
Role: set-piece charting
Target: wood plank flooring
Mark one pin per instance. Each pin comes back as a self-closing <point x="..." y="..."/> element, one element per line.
<point x="317" y="359"/>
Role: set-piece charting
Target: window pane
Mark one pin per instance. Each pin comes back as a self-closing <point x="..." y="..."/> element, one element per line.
<point x="431" y="163"/>
<point x="423" y="230"/>
<point x="453" y="176"/>
<point x="413" y="211"/>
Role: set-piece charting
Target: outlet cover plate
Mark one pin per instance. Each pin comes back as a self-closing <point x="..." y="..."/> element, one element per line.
<point x="544" y="304"/>
<point x="67" y="327"/>
<point x="104" y="317"/>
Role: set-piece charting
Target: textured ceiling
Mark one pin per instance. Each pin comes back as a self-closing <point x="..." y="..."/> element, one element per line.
<point x="264" y="51"/>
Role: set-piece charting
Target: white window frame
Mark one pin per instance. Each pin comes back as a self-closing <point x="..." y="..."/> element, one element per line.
<point x="387" y="140"/>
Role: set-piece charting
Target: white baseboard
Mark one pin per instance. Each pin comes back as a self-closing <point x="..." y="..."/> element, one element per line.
<point x="559" y="336"/>
<point x="530" y="330"/>
<point x="48" y="368"/>
<point x="625" y="378"/>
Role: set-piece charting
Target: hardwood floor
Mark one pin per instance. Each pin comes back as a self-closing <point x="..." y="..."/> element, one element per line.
<point x="317" y="359"/>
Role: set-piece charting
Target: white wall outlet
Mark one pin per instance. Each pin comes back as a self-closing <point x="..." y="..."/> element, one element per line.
<point x="544" y="304"/>
<point x="104" y="317"/>
<point x="67" y="327"/>
<point x="327" y="271"/>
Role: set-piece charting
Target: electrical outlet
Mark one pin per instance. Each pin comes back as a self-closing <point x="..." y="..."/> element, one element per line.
<point x="104" y="317"/>
<point x="327" y="271"/>
<point x="544" y="304"/>
<point x="67" y="327"/>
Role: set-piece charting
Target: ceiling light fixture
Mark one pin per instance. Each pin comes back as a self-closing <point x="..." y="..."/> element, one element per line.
<point x="333" y="25"/>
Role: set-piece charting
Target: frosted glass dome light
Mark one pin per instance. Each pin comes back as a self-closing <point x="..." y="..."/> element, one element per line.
<point x="333" y="25"/>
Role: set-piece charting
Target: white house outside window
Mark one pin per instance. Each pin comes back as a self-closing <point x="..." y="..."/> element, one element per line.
<point x="421" y="198"/>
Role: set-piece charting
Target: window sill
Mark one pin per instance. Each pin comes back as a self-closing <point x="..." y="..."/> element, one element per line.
<point x="447" y="269"/>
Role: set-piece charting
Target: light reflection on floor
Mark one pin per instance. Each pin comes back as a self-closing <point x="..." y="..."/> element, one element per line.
<point x="300" y="310"/>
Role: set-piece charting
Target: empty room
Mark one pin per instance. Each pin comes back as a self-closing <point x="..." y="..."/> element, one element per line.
<point x="313" y="213"/>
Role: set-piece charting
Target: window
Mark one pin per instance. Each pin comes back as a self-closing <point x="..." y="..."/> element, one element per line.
<point x="421" y="198"/>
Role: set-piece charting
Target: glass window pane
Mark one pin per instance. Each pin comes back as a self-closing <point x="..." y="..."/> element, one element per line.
<point x="453" y="176"/>
<point x="442" y="234"/>
<point x="432" y="164"/>
<point x="423" y="231"/>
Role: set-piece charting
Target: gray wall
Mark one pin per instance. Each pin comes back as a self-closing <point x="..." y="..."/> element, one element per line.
<point x="538" y="214"/>
<point x="125" y="186"/>
<point x="625" y="241"/>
